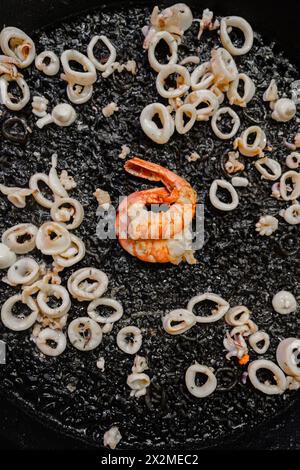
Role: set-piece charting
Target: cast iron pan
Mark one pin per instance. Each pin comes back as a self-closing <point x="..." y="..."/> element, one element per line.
<point x="69" y="393"/>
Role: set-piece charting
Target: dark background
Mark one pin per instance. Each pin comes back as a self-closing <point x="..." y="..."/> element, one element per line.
<point x="277" y="21"/>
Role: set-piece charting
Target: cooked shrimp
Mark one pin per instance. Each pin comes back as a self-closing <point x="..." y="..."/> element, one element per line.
<point x="157" y="237"/>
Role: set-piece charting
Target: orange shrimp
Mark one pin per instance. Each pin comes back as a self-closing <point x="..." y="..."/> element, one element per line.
<point x="157" y="237"/>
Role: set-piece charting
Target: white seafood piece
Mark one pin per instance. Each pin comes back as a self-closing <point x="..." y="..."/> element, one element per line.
<point x="8" y="66"/>
<point x="206" y="22"/>
<point x="56" y="337"/>
<point x="292" y="214"/>
<point x="17" y="196"/>
<point x="234" y="119"/>
<point x="287" y="356"/>
<point x="105" y="302"/>
<point x="276" y="191"/>
<point x="196" y="98"/>
<point x="139" y="364"/>
<point x="110" y="109"/>
<point x="39" y="106"/>
<point x="129" y="339"/>
<point x="58" y="292"/>
<point x="183" y="83"/>
<point x="191" y="59"/>
<point x="14" y="322"/>
<point x="103" y="197"/>
<point x="271" y="94"/>
<point x="222" y="307"/>
<point x="235" y="343"/>
<point x="7" y="257"/>
<point x="81" y="289"/>
<point x="84" y="334"/>
<point x="138" y="382"/>
<point x="293" y="160"/>
<point x="202" y="77"/>
<point x="20" y="238"/>
<point x="101" y="364"/>
<point x="259" y="336"/>
<point x="233" y="165"/>
<point x="216" y="202"/>
<point x="47" y="62"/>
<point x="178" y="321"/>
<point x="63" y="115"/>
<point x="266" y="387"/>
<point x="16" y="44"/>
<point x="223" y="68"/>
<point x="272" y="165"/>
<point x="6" y="97"/>
<point x="242" y="25"/>
<point x="72" y="255"/>
<point x="188" y="110"/>
<point x="79" y="94"/>
<point x="71" y="216"/>
<point x="25" y="271"/>
<point x="256" y="147"/>
<point x="284" y="302"/>
<point x="293" y="383"/>
<point x="130" y="66"/>
<point x="54" y="180"/>
<point x="249" y="90"/>
<point x="172" y="44"/>
<point x="87" y="77"/>
<point x="267" y="225"/>
<point x="67" y="181"/>
<point x="284" y="110"/>
<point x="239" y="182"/>
<point x="237" y="316"/>
<point x="190" y="380"/>
<point x="290" y="192"/>
<point x="112" y="52"/>
<point x="112" y="437"/>
<point x="158" y="135"/>
<point x="55" y="323"/>
<point x="37" y="193"/>
<point x="52" y="238"/>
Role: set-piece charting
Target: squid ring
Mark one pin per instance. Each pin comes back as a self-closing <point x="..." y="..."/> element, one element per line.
<point x="37" y="194"/>
<point x="293" y="160"/>
<point x="81" y="289"/>
<point x="235" y="119"/>
<point x="50" y="68"/>
<point x="249" y="90"/>
<point x="129" y="339"/>
<point x="88" y="77"/>
<point x="178" y="321"/>
<point x="53" y="238"/>
<point x="56" y="337"/>
<point x="286" y="193"/>
<point x="172" y="44"/>
<point x="256" y="338"/>
<point x="84" y="334"/>
<point x="202" y="72"/>
<point x="286" y="355"/>
<point x="292" y="214"/>
<point x="216" y="314"/>
<point x="244" y="26"/>
<point x="79" y="94"/>
<point x="273" y="165"/>
<point x="255" y="148"/>
<point x="13" y="322"/>
<point x="72" y="255"/>
<point x="165" y="72"/>
<point x="216" y="202"/>
<point x="59" y="292"/>
<point x="158" y="135"/>
<point x="112" y="52"/>
<point x="190" y="380"/>
<point x="16" y="44"/>
<point x="266" y="387"/>
<point x="25" y="271"/>
<point x="64" y="215"/>
<point x="190" y="111"/>
<point x="237" y="316"/>
<point x="118" y="310"/>
<point x="20" y="238"/>
<point x="223" y="68"/>
<point x="203" y="96"/>
<point x="5" y="96"/>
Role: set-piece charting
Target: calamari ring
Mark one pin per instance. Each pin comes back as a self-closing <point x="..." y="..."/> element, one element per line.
<point x="20" y="238"/>
<point x="114" y="304"/>
<point x="59" y="292"/>
<point x="81" y="290"/>
<point x="165" y="72"/>
<point x="59" y="215"/>
<point x="244" y="26"/>
<point x="84" y="334"/>
<point x="135" y="343"/>
<point x="57" y="337"/>
<point x="18" y="323"/>
<point x="190" y="380"/>
<point x="266" y="387"/>
<point x="216" y="314"/>
<point x="172" y="44"/>
<point x="53" y="238"/>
